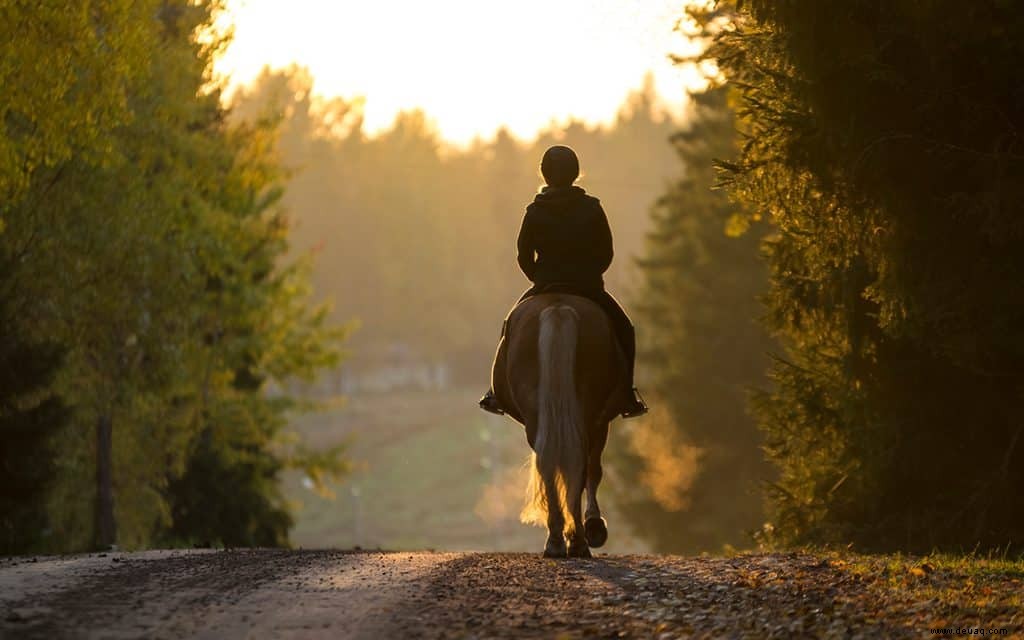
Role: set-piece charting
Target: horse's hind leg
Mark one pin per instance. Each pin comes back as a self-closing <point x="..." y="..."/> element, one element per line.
<point x="578" y="547"/>
<point x="555" y="545"/>
<point x="595" y="526"/>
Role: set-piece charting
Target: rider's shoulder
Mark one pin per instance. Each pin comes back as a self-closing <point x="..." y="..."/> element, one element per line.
<point x="593" y="205"/>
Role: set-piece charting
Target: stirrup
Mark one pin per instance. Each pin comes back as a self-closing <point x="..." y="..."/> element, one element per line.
<point x="489" y="403"/>
<point x="636" y="407"/>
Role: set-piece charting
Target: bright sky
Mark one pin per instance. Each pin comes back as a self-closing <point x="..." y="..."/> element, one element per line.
<point x="472" y="65"/>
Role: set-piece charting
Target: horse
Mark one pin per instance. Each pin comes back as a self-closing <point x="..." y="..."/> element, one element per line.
<point x="559" y="371"/>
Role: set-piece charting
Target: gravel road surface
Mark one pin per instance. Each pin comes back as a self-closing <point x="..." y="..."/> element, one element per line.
<point x="340" y="594"/>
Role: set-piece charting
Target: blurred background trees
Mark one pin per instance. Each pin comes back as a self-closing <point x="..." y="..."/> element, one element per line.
<point x="692" y="472"/>
<point x="402" y="221"/>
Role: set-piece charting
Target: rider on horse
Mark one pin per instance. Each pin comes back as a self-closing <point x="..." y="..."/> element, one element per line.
<point x="565" y="245"/>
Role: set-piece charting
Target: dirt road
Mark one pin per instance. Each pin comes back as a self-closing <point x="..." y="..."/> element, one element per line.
<point x="336" y="594"/>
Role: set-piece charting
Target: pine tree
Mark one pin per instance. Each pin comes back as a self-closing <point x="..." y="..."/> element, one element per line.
<point x="698" y="313"/>
<point x="882" y="143"/>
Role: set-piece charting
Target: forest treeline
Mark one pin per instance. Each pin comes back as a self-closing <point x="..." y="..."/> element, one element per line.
<point x="827" y="286"/>
<point x="145" y="299"/>
<point x="693" y="470"/>
<point x="166" y="256"/>
<point x="881" y="144"/>
<point x="415" y="238"/>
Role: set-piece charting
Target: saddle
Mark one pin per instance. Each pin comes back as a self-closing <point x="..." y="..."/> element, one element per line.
<point x="562" y="287"/>
<point x="634" y="406"/>
<point x="568" y="288"/>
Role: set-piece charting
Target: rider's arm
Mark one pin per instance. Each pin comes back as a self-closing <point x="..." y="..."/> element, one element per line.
<point x="525" y="246"/>
<point x="603" y="251"/>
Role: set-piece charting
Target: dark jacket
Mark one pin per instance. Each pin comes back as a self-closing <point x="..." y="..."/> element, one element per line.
<point x="568" y="231"/>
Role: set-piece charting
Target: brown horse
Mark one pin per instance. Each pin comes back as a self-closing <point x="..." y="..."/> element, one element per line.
<point x="559" y="371"/>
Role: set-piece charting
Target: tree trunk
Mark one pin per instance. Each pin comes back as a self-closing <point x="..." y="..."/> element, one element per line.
<point x="105" y="525"/>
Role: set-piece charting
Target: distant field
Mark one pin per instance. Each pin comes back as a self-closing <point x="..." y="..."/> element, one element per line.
<point x="433" y="472"/>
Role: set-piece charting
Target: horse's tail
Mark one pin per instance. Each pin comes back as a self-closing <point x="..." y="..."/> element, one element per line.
<point x="559" y="446"/>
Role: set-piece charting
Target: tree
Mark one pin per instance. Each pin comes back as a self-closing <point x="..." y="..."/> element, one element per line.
<point x="882" y="142"/>
<point x="259" y="329"/>
<point x="30" y="418"/>
<point x="160" y="268"/>
<point x="66" y="73"/>
<point x="697" y="463"/>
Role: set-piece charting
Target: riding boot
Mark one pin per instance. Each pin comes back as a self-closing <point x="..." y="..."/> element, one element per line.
<point x="489" y="403"/>
<point x="633" y="404"/>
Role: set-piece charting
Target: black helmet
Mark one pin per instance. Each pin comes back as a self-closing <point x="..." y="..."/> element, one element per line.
<point x="560" y="166"/>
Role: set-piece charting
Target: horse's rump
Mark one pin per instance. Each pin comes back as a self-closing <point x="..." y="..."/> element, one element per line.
<point x="515" y="380"/>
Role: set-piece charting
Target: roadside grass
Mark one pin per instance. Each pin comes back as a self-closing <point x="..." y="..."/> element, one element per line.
<point x="941" y="590"/>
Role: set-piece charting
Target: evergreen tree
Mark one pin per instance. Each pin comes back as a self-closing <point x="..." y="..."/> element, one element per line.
<point x="698" y="310"/>
<point x="882" y="142"/>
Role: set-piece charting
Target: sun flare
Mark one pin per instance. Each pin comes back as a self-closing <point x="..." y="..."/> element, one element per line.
<point x="472" y="66"/>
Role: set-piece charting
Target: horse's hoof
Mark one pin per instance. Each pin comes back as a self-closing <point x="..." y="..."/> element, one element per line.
<point x="581" y="551"/>
<point x="554" y="549"/>
<point x="597" y="531"/>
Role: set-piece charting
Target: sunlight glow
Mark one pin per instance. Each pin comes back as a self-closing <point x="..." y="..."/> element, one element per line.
<point x="471" y="65"/>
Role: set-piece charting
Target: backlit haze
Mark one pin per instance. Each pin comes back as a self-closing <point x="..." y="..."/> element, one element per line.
<point x="415" y="240"/>
<point x="471" y="65"/>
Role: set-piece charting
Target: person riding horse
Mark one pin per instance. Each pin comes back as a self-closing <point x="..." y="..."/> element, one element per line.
<point x="565" y="246"/>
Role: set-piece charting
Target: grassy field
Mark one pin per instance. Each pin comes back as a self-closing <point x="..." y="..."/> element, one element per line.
<point x="432" y="472"/>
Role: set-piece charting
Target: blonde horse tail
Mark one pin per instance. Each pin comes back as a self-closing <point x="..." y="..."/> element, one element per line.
<point x="559" y="446"/>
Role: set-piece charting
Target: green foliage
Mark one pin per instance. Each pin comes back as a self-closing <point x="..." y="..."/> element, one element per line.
<point x="66" y="70"/>
<point x="881" y="141"/>
<point x="698" y="310"/>
<point x="30" y="418"/>
<point x="229" y="493"/>
<point x="160" y="267"/>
